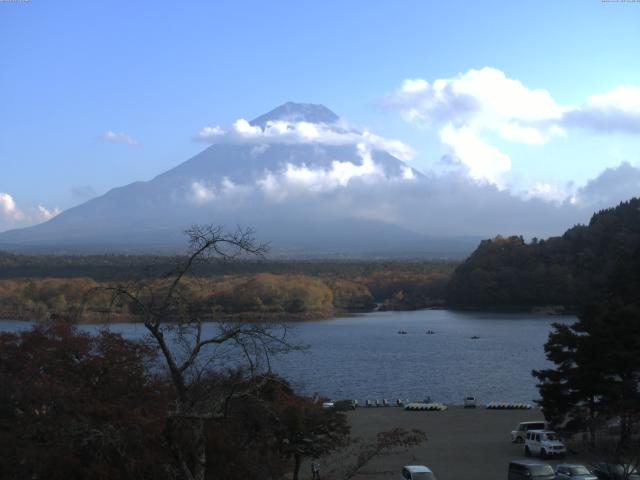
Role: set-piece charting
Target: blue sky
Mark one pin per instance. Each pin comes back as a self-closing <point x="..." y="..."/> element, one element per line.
<point x="155" y="73"/>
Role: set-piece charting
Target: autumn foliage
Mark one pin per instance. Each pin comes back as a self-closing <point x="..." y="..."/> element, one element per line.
<point x="290" y="296"/>
<point x="78" y="406"/>
<point x="81" y="406"/>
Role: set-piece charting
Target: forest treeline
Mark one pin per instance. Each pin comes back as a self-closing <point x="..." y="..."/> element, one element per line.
<point x="297" y="291"/>
<point x="567" y="271"/>
<point x="112" y="267"/>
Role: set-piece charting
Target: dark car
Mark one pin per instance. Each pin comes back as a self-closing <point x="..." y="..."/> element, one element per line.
<point x="616" y="471"/>
<point x="573" y="472"/>
<point x="530" y="470"/>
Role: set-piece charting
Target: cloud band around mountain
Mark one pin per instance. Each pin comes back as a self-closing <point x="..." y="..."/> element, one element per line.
<point x="293" y="133"/>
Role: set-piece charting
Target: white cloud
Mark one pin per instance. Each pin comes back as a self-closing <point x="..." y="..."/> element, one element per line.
<point x="207" y="134"/>
<point x="339" y="175"/>
<point x="8" y="208"/>
<point x="472" y="105"/>
<point x="465" y="107"/>
<point x="43" y="214"/>
<point x="270" y="185"/>
<point x="245" y="129"/>
<point x="292" y="133"/>
<point x="407" y="173"/>
<point x="502" y="98"/>
<point x="291" y="180"/>
<point x="615" y="111"/>
<point x="200" y="193"/>
<point x="623" y="98"/>
<point x="395" y="147"/>
<point x="484" y="161"/>
<point x="304" y="180"/>
<point x="611" y="186"/>
<point x="449" y="203"/>
<point x="13" y="216"/>
<point x="549" y="192"/>
<point x="484" y="99"/>
<point x="522" y="134"/>
<point x="119" y="137"/>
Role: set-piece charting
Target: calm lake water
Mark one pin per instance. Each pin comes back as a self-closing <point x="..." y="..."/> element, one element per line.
<point x="363" y="356"/>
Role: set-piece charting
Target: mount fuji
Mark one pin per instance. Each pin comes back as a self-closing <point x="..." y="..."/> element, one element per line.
<point x="298" y="175"/>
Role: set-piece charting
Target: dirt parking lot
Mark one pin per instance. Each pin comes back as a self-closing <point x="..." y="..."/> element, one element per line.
<point x="462" y="444"/>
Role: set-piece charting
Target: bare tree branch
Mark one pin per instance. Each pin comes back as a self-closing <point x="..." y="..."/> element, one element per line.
<point x="172" y="320"/>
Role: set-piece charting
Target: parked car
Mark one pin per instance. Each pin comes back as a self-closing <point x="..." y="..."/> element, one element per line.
<point x="530" y="470"/>
<point x="574" y="472"/>
<point x="544" y="443"/>
<point x="470" y="402"/>
<point x="327" y="404"/>
<point x="616" y="471"/>
<point x="417" y="472"/>
<point x="518" y="435"/>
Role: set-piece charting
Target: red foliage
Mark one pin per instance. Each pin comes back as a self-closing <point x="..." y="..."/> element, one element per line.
<point x="74" y="405"/>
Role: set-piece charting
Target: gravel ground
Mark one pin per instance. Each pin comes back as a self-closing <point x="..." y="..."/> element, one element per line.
<point x="462" y="444"/>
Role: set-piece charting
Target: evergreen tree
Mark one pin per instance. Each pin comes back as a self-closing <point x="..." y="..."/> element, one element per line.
<point x="597" y="360"/>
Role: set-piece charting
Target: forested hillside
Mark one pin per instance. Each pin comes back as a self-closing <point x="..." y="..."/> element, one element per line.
<point x="41" y="287"/>
<point x="566" y="271"/>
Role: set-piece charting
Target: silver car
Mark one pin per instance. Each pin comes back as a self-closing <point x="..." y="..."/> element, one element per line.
<point x="574" y="472"/>
<point x="417" y="472"/>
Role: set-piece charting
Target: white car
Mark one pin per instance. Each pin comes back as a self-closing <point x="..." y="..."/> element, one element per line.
<point x="417" y="472"/>
<point x="470" y="402"/>
<point x="544" y="443"/>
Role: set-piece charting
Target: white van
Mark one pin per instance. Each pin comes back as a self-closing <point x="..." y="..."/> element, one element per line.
<point x="518" y="435"/>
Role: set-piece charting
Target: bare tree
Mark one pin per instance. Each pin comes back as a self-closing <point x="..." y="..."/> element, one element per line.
<point x="191" y="347"/>
<point x="354" y="462"/>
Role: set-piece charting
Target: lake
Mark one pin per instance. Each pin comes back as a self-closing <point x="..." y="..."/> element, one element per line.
<point x="364" y="357"/>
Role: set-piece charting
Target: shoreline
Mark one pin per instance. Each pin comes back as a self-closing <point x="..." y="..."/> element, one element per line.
<point x="274" y="318"/>
<point x="291" y="317"/>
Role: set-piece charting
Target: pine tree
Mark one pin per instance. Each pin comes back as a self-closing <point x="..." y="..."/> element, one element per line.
<point x="597" y="361"/>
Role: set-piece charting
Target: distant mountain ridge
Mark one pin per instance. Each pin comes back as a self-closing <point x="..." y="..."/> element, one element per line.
<point x="212" y="187"/>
